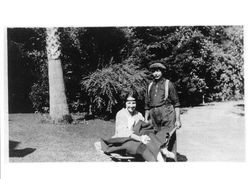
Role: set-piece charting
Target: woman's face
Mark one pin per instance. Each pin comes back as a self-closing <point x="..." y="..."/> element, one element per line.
<point x="130" y="104"/>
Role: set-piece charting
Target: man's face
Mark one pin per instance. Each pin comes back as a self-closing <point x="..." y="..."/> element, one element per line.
<point x="157" y="73"/>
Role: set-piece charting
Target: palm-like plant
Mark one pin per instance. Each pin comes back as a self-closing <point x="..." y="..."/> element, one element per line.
<point x="57" y="97"/>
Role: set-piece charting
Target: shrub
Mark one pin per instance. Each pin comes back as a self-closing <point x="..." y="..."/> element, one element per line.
<point x="39" y="96"/>
<point x="107" y="87"/>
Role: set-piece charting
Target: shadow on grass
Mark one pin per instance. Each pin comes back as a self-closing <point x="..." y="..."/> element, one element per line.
<point x="185" y="108"/>
<point x="240" y="114"/>
<point x="240" y="105"/>
<point x="197" y="105"/>
<point x="242" y="108"/>
<point x="13" y="152"/>
<point x="181" y="158"/>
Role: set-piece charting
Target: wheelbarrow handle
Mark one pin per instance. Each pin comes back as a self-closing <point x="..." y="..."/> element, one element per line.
<point x="169" y="134"/>
<point x="172" y="132"/>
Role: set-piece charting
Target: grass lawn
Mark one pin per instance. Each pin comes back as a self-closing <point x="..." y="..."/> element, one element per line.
<point x="32" y="140"/>
<point x="214" y="132"/>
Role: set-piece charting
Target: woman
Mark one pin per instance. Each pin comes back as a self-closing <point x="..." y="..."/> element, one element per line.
<point x="127" y="118"/>
<point x="134" y="134"/>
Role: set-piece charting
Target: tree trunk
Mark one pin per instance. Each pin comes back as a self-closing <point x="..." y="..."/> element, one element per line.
<point x="57" y="97"/>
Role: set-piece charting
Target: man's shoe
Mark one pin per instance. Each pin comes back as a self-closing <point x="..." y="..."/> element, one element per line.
<point x="167" y="153"/>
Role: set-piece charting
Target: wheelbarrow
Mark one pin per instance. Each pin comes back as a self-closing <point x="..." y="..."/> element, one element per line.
<point x="122" y="156"/>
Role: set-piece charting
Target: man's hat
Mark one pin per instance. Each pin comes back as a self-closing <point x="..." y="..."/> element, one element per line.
<point x="157" y="65"/>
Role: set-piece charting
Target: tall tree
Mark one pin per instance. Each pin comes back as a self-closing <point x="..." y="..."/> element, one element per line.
<point x="57" y="97"/>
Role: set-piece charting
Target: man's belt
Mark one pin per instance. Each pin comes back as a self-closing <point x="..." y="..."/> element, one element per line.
<point x="151" y="107"/>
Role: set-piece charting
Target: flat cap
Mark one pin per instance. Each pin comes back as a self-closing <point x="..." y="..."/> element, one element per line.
<point x="157" y="65"/>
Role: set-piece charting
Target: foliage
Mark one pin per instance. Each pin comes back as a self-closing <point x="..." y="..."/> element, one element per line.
<point x="85" y="50"/>
<point x="32" y="61"/>
<point x="107" y="87"/>
<point x="39" y="96"/>
<point x="100" y="63"/>
<point x="202" y="61"/>
<point x="228" y="64"/>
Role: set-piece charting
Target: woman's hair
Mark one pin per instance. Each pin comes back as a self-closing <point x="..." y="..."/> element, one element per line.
<point x="130" y="94"/>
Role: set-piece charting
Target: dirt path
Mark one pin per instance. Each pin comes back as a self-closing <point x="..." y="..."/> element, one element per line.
<point x="215" y="132"/>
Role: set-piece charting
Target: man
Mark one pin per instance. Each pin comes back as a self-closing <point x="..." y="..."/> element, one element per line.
<point x="162" y="104"/>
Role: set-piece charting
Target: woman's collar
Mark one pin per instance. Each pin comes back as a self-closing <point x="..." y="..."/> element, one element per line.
<point x="134" y="113"/>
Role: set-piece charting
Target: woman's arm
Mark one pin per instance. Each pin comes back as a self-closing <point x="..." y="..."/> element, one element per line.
<point x="144" y="138"/>
<point x="136" y="137"/>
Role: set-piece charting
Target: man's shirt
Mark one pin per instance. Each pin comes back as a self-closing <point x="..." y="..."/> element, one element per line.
<point x="156" y="96"/>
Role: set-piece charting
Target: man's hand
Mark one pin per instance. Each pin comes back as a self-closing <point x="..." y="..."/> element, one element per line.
<point x="178" y="124"/>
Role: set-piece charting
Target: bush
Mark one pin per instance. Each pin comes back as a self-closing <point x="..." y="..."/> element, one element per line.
<point x="39" y="96"/>
<point x="107" y="87"/>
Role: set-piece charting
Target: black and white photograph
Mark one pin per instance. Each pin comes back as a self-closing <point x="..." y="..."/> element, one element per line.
<point x="119" y="89"/>
<point x="162" y="93"/>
